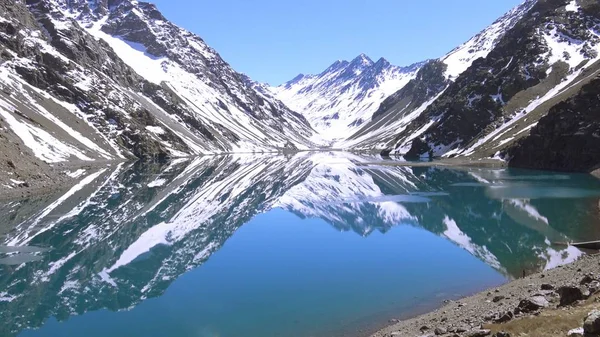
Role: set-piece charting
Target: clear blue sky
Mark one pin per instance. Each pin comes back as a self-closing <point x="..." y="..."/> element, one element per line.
<point x="275" y="40"/>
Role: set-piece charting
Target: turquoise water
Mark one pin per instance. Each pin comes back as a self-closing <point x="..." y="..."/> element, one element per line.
<point x="305" y="245"/>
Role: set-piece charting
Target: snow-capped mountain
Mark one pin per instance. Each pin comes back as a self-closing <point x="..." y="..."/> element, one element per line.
<point x="486" y="97"/>
<point x="112" y="79"/>
<point x="407" y="103"/>
<point x="343" y="97"/>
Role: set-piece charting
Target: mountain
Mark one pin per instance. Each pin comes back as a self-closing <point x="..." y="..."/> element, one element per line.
<point x="89" y="80"/>
<point x="401" y="108"/>
<point x="339" y="100"/>
<point x="499" y="95"/>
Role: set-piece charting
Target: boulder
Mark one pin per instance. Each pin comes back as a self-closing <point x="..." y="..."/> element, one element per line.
<point x="576" y="333"/>
<point x="571" y="294"/>
<point x="591" y="325"/>
<point x="587" y="279"/>
<point x="532" y="304"/>
<point x="505" y="317"/>
<point x="594" y="286"/>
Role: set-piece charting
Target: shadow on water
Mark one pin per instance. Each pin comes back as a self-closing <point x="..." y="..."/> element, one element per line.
<point x="129" y="232"/>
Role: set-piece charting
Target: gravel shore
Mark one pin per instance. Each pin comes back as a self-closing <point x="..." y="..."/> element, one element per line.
<point x="550" y="303"/>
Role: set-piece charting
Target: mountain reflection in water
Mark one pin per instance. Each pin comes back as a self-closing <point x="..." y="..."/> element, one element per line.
<point x="126" y="232"/>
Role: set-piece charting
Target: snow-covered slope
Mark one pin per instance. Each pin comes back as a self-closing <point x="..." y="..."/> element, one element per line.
<point x="96" y="79"/>
<point x="463" y="56"/>
<point x="343" y="97"/>
<point x="401" y="108"/>
<point x="488" y="94"/>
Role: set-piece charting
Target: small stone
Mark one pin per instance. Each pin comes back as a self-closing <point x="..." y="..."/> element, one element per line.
<point x="394" y="320"/>
<point x="587" y="279"/>
<point x="440" y="331"/>
<point x="488" y="318"/>
<point x="501" y="334"/>
<point x="591" y="325"/>
<point x="478" y="333"/>
<point x="585" y="292"/>
<point x="424" y="328"/>
<point x="594" y="286"/>
<point x="547" y="286"/>
<point x="498" y="299"/>
<point x="459" y="329"/>
<point x="444" y="319"/>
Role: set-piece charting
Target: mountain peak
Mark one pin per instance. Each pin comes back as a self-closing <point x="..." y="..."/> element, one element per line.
<point x="383" y="62"/>
<point x="339" y="64"/>
<point x="362" y="60"/>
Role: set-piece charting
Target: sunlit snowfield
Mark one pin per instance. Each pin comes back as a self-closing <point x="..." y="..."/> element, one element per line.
<point x="300" y="245"/>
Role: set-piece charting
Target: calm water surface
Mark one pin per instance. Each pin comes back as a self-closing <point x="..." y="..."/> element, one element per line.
<point x="259" y="246"/>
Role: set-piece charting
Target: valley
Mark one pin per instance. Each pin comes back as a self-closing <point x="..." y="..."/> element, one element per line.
<point x="115" y="80"/>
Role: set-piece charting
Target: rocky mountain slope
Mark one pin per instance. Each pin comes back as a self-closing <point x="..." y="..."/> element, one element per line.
<point x="484" y="96"/>
<point x="343" y="97"/>
<point x="113" y="79"/>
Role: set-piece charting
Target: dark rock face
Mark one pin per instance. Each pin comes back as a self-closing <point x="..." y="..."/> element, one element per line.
<point x="524" y="74"/>
<point x="567" y="139"/>
<point x="428" y="82"/>
<point x="571" y="294"/>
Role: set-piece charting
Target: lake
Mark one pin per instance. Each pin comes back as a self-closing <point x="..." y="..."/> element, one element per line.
<point x="306" y="245"/>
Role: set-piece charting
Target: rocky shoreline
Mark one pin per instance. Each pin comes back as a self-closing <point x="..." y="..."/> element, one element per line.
<point x="25" y="181"/>
<point x="552" y="303"/>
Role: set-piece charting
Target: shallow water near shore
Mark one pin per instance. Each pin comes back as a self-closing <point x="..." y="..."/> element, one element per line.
<point x="303" y="245"/>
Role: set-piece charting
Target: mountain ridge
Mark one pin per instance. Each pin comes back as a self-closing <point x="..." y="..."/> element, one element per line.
<point x="479" y="100"/>
<point x="344" y="95"/>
